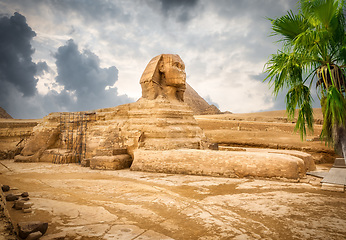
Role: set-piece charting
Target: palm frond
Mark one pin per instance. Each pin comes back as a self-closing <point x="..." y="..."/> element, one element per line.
<point x="284" y="70"/>
<point x="305" y="119"/>
<point x="299" y="97"/>
<point x="289" y="25"/>
<point x="320" y="11"/>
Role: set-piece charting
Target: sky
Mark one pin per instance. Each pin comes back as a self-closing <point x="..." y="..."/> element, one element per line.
<point x="77" y="55"/>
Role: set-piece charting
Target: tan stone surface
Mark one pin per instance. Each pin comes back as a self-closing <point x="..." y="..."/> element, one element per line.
<point x="333" y="187"/>
<point x="80" y="203"/>
<point x="162" y="124"/>
<point x="220" y="163"/>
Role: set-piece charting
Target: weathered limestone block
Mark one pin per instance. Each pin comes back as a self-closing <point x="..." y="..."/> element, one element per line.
<point x="219" y="163"/>
<point x="48" y="155"/>
<point x="103" y="135"/>
<point x="59" y="156"/>
<point x="163" y="125"/>
<point x="306" y="157"/>
<point x="85" y="163"/>
<point x="333" y="187"/>
<point x="119" y="151"/>
<point x="111" y="162"/>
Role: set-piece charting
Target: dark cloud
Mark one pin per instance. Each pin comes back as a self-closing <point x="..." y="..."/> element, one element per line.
<point x="253" y="9"/>
<point x="182" y="10"/>
<point x="42" y="67"/>
<point x="89" y="9"/>
<point x="17" y="70"/>
<point x="86" y="85"/>
<point x="16" y="66"/>
<point x="173" y="4"/>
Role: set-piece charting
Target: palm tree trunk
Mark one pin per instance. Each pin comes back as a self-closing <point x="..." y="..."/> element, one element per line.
<point x="341" y="142"/>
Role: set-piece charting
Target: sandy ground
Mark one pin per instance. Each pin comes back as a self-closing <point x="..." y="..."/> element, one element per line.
<point x="80" y="203"/>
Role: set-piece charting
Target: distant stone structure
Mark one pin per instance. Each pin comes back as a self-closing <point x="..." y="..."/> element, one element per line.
<point x="198" y="105"/>
<point x="157" y="133"/>
<point x="4" y="114"/>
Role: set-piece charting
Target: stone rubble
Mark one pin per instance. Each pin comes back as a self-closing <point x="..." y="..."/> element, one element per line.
<point x="28" y="229"/>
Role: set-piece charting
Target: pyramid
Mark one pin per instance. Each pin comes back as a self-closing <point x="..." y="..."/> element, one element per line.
<point x="4" y="114"/>
<point x="198" y="105"/>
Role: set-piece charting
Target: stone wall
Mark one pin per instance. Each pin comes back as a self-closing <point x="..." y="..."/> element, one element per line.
<point x="13" y="135"/>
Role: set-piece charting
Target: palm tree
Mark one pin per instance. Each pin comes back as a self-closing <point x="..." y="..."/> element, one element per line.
<point x="313" y="54"/>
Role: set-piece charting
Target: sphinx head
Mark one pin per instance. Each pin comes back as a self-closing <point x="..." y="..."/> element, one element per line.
<point x="164" y="76"/>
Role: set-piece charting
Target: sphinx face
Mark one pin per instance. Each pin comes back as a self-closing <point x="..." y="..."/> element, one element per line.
<point x="164" y="76"/>
<point x="173" y="69"/>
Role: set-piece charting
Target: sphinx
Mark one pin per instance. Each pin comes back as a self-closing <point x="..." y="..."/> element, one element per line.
<point x="159" y="120"/>
<point x="157" y="133"/>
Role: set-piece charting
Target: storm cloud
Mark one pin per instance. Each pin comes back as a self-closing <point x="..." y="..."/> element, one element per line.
<point x="86" y="85"/>
<point x="182" y="10"/>
<point x="16" y="66"/>
<point x="17" y="70"/>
